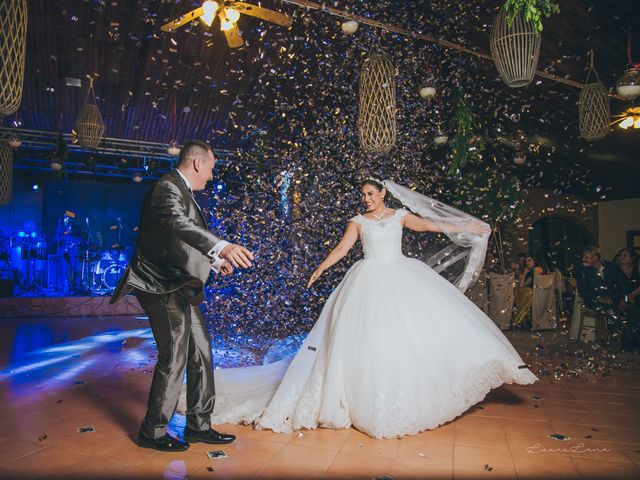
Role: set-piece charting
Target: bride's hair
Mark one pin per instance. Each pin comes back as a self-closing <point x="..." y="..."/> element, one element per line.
<point x="374" y="182"/>
<point x="379" y="185"/>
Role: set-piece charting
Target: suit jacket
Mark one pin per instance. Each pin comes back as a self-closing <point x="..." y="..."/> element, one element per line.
<point x="172" y="244"/>
<point x="611" y="284"/>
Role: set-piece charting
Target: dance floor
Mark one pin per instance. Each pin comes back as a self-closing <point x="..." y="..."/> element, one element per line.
<point x="60" y="376"/>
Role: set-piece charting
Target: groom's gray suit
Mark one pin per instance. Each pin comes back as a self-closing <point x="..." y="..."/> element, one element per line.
<point x="171" y="264"/>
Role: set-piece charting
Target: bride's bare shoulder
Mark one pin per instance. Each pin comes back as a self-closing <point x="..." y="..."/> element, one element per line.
<point x="357" y="219"/>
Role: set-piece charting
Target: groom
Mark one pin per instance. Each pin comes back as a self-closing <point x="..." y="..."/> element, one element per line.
<point x="175" y="252"/>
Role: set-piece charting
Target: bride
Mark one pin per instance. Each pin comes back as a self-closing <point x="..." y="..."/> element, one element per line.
<point x="397" y="348"/>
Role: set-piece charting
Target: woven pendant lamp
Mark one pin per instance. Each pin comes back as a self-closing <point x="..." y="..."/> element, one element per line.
<point x="515" y="49"/>
<point x="13" y="43"/>
<point x="377" y="93"/>
<point x="89" y="124"/>
<point x="594" y="114"/>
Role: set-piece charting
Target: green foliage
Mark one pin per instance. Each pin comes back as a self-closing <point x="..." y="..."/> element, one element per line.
<point x="533" y="10"/>
<point x="465" y="145"/>
<point x="492" y="195"/>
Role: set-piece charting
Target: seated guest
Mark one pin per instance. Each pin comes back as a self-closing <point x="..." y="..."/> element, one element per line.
<point x="524" y="293"/>
<point x="627" y="261"/>
<point x="514" y="267"/>
<point x="604" y="287"/>
<point x="533" y="264"/>
<point x="601" y="284"/>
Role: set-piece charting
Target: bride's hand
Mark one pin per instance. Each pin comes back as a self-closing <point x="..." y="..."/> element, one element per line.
<point x="477" y="226"/>
<point x="315" y="276"/>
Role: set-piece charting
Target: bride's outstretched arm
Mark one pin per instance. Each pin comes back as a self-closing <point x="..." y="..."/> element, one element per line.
<point x="419" y="224"/>
<point x="348" y="241"/>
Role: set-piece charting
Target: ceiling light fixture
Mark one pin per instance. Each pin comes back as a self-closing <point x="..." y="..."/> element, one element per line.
<point x="628" y="119"/>
<point x="628" y="85"/>
<point x="232" y="15"/>
<point x="210" y="8"/>
<point x="226" y="25"/>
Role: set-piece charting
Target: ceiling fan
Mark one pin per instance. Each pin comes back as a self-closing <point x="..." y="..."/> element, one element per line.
<point x="628" y="118"/>
<point x="520" y="140"/>
<point x="228" y="12"/>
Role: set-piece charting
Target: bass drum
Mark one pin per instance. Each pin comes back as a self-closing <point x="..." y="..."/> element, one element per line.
<point x="105" y="261"/>
<point x="111" y="276"/>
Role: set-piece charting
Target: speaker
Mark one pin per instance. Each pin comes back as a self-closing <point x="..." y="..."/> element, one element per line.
<point x="8" y="279"/>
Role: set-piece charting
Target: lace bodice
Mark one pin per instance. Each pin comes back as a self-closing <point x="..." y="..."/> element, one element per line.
<point x="381" y="239"/>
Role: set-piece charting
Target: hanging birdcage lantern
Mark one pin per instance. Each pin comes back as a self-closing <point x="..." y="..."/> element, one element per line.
<point x="377" y="92"/>
<point x="13" y="43"/>
<point x="515" y="49"/>
<point x="6" y="172"/>
<point x="593" y="108"/>
<point x="89" y="124"/>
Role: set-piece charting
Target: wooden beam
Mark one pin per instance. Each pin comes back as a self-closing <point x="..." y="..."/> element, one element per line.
<point x="429" y="38"/>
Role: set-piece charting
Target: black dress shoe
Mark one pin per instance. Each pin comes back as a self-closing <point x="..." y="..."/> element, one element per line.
<point x="207" y="436"/>
<point x="163" y="444"/>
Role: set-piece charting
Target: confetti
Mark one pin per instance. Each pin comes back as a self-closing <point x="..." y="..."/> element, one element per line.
<point x="288" y="107"/>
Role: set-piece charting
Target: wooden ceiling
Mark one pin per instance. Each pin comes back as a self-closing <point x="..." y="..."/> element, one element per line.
<point x="138" y="70"/>
<point x="228" y="96"/>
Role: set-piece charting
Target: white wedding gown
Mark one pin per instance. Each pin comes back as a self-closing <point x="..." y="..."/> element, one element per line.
<point x="397" y="350"/>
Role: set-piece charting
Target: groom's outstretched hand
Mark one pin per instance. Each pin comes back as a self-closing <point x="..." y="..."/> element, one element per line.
<point x="237" y="255"/>
<point x="226" y="269"/>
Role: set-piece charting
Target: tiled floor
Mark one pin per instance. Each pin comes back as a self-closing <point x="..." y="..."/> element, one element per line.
<point x="61" y="374"/>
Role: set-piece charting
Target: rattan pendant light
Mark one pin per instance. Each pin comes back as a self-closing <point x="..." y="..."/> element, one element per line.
<point x="13" y="43"/>
<point x="593" y="108"/>
<point x="377" y="95"/>
<point x="515" y="49"/>
<point x="89" y="124"/>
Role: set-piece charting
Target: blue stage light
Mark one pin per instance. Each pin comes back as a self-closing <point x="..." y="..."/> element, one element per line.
<point x="35" y="187"/>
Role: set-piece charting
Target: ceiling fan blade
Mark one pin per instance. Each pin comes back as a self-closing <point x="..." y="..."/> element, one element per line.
<point x="543" y="140"/>
<point x="182" y="20"/>
<point x="506" y="141"/>
<point x="234" y="39"/>
<point x="263" y="13"/>
<point x="606" y="157"/>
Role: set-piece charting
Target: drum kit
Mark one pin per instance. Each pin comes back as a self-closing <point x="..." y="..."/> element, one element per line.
<point x="76" y="263"/>
<point x="105" y="272"/>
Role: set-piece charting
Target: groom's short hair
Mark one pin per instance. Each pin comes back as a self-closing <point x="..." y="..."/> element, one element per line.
<point x="193" y="148"/>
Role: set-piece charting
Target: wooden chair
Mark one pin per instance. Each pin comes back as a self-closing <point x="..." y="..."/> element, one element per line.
<point x="587" y="325"/>
<point x="544" y="312"/>
<point x="501" y="297"/>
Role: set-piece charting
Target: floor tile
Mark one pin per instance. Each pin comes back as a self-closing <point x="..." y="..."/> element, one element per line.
<point x="505" y="436"/>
